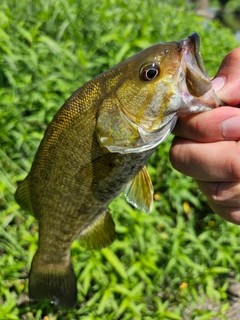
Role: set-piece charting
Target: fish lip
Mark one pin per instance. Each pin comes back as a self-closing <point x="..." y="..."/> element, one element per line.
<point x="195" y="87"/>
<point x="193" y="42"/>
<point x="193" y="77"/>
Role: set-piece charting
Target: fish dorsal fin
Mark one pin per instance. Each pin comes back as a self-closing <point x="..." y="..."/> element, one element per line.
<point x="139" y="191"/>
<point x="22" y="196"/>
<point x="100" y="234"/>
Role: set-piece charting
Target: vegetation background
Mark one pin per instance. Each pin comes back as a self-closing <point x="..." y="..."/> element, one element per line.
<point x="162" y="265"/>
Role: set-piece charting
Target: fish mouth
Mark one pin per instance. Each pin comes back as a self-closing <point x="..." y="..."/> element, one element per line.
<point x="195" y="39"/>
<point x="194" y="84"/>
<point x="196" y="77"/>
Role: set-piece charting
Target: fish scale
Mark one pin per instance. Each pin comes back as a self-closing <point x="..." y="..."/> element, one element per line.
<point x="96" y="146"/>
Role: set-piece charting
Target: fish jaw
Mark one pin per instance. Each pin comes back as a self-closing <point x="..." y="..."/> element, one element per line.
<point x="192" y="87"/>
<point x="195" y="87"/>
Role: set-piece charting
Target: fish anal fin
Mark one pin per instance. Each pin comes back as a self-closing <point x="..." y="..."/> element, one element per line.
<point x="22" y="196"/>
<point x="139" y="191"/>
<point x="100" y="234"/>
<point x="56" y="283"/>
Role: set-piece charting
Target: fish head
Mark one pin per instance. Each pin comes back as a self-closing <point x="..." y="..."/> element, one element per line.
<point x="149" y="91"/>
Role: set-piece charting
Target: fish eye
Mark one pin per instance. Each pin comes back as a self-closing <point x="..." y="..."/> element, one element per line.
<point x="149" y="72"/>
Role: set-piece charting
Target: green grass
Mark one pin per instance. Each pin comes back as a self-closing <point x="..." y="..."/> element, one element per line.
<point x="161" y="264"/>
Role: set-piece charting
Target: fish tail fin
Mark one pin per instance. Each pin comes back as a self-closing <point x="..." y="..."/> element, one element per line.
<point x="53" y="282"/>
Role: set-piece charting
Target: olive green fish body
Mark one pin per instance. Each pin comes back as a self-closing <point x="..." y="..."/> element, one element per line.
<point x="72" y="193"/>
<point x="96" y="146"/>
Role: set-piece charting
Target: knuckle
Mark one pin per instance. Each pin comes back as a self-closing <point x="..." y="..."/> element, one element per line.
<point x="220" y="191"/>
<point x="234" y="162"/>
<point x="176" y="155"/>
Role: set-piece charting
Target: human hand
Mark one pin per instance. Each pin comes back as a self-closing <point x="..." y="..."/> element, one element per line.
<point x="207" y="145"/>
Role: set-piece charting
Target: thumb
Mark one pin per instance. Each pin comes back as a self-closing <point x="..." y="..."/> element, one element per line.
<point x="227" y="80"/>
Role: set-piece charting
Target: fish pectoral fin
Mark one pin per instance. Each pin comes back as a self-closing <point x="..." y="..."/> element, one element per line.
<point x="22" y="196"/>
<point x="139" y="191"/>
<point x="100" y="234"/>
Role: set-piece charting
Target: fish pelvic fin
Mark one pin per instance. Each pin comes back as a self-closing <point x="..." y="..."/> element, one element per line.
<point x="100" y="234"/>
<point x="139" y="191"/>
<point x="55" y="282"/>
<point x="22" y="196"/>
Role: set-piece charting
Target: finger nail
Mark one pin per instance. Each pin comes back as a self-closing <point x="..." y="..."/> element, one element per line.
<point x="231" y="128"/>
<point x="218" y="83"/>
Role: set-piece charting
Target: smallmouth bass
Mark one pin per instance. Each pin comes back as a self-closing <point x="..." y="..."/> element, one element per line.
<point x="97" y="145"/>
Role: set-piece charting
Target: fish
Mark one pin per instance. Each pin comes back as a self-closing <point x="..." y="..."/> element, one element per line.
<point x="97" y="146"/>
